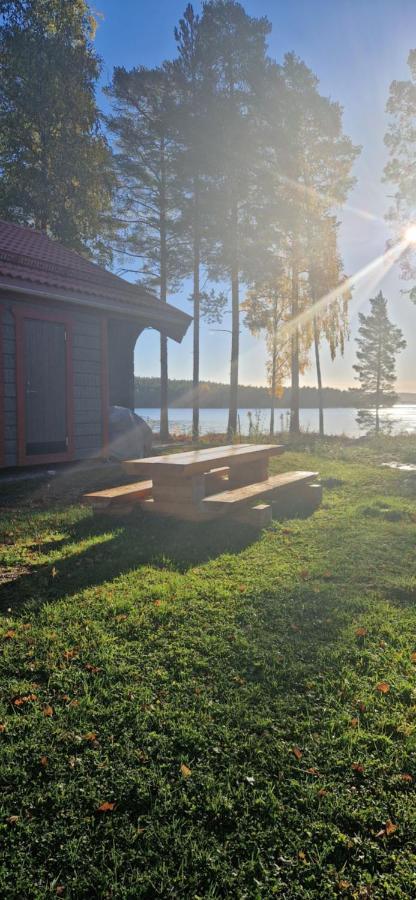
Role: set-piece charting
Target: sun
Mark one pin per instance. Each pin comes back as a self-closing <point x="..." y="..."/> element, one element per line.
<point x="410" y="234"/>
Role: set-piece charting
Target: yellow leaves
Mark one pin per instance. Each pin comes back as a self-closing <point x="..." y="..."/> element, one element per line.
<point x="383" y="687"/>
<point x="13" y="820"/>
<point x="10" y="634"/>
<point x="2" y="728"/>
<point x="301" y="855"/>
<point x="121" y="617"/>
<point x="69" y="654"/>
<point x="413" y="656"/>
<point x="313" y="771"/>
<point x="186" y="772"/>
<point x="343" y="885"/>
<point x="322" y="792"/>
<point x="47" y="710"/>
<point x="388" y="829"/>
<point x="106" y="807"/>
<point x="297" y="752"/>
<point x="90" y="736"/>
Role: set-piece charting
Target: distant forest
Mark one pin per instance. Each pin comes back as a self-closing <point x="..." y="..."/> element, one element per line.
<point x="215" y="395"/>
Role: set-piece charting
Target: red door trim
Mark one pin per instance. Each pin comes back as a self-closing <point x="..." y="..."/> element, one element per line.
<point x="105" y="392"/>
<point x="2" y="412"/>
<point x="21" y="313"/>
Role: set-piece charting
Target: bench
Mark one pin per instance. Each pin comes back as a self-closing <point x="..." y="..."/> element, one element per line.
<point x="250" y="494"/>
<point x="119" y="499"/>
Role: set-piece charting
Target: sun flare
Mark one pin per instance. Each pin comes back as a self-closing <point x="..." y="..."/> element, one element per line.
<point x="410" y="234"/>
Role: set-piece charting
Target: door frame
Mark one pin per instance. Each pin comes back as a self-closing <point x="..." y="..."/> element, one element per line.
<point x="21" y="313"/>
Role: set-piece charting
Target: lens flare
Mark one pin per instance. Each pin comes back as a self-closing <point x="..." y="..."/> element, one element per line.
<point x="410" y="234"/>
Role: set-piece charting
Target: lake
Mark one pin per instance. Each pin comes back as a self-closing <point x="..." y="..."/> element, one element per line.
<point x="337" y="420"/>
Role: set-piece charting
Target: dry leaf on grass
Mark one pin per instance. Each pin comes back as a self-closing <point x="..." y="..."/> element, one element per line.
<point x="388" y="829"/>
<point x="383" y="687"/>
<point x="297" y="752"/>
<point x="354" y="723"/>
<point x="357" y="767"/>
<point x="360" y="632"/>
<point x="406" y="777"/>
<point x="47" y="710"/>
<point x="185" y="771"/>
<point x="106" y="807"/>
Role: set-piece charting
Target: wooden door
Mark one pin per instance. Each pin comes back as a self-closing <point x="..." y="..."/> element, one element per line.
<point x="46" y="417"/>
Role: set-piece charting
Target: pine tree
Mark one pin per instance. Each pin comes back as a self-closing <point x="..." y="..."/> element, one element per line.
<point x="400" y="170"/>
<point x="379" y="342"/>
<point x="194" y="96"/>
<point x="55" y="164"/>
<point x="148" y="201"/>
<point x="235" y="54"/>
<point x="309" y="174"/>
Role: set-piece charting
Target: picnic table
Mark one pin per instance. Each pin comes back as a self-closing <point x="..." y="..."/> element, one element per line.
<point x="197" y="485"/>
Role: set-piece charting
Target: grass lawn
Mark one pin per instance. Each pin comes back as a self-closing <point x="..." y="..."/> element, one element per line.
<point x="201" y="711"/>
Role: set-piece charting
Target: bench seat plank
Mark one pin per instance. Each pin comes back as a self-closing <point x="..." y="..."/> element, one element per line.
<point x="126" y="492"/>
<point x="242" y="495"/>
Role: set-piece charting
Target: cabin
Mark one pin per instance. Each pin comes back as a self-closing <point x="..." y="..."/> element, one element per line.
<point x="68" y="329"/>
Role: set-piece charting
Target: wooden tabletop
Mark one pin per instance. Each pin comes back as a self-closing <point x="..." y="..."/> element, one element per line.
<point x="197" y="461"/>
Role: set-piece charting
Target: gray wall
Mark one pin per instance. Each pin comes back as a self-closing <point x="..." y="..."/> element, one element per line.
<point x="86" y="332"/>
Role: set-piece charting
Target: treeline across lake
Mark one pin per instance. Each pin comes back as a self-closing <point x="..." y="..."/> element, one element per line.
<point x="215" y="395"/>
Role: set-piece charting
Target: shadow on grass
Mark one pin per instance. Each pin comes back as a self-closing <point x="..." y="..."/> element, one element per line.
<point x="121" y="545"/>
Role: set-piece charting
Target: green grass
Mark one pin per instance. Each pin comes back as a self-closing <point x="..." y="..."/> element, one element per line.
<point x="157" y="645"/>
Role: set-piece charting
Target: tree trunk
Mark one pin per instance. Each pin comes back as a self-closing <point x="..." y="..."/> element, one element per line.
<point x="294" y="363"/>
<point x="197" y="305"/>
<point x="164" y="420"/>
<point x="235" y="341"/>
<point x="273" y="392"/>
<point x="318" y="378"/>
<point x="377" y="425"/>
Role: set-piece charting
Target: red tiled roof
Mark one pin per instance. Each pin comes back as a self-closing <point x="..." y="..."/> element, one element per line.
<point x="30" y="259"/>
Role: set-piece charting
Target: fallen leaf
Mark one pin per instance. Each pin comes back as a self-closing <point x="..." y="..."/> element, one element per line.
<point x="90" y="736"/>
<point x="121" y="617"/>
<point x="13" y="819"/>
<point x="312" y="771"/>
<point x="301" y="855"/>
<point x="361" y="706"/>
<point x="406" y="777"/>
<point x="304" y="573"/>
<point x="59" y="890"/>
<point x="357" y="767"/>
<point x="2" y="727"/>
<point x="354" y="723"/>
<point x="360" y="632"/>
<point x="185" y="771"/>
<point x="93" y="669"/>
<point x="388" y="829"/>
<point x="27" y="698"/>
<point x="383" y="687"/>
<point x="322" y="792"/>
<point x="44" y="761"/>
<point x="413" y="656"/>
<point x="54" y="572"/>
<point x="297" y="752"/>
<point x="10" y="634"/>
<point x="157" y="602"/>
<point x="47" y="710"/>
<point x="69" y="654"/>
<point x="106" y="807"/>
<point x="343" y="885"/>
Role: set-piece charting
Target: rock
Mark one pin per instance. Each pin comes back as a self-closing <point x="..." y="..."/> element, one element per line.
<point x="129" y="435"/>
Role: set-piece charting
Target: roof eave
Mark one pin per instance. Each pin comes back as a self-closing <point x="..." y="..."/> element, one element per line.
<point x="168" y="319"/>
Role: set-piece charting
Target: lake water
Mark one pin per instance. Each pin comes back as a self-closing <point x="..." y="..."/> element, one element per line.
<point x="337" y="420"/>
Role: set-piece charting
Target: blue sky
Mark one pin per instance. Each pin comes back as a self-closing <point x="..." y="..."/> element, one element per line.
<point x="356" y="48"/>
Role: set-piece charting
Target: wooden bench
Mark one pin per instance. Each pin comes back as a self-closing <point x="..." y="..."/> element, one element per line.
<point x="119" y="499"/>
<point x="250" y="493"/>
